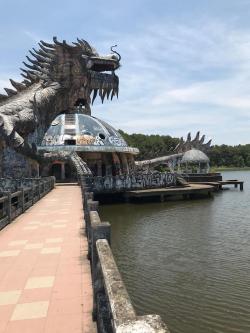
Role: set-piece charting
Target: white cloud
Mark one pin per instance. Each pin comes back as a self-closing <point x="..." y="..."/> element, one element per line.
<point x="185" y="77"/>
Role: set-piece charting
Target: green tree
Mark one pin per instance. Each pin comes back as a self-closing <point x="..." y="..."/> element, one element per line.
<point x="152" y="146"/>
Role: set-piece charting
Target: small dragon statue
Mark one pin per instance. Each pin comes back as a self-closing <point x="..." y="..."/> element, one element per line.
<point x="177" y="153"/>
<point x="57" y="77"/>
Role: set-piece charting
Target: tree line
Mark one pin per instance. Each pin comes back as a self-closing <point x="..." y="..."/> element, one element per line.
<point x="152" y="146"/>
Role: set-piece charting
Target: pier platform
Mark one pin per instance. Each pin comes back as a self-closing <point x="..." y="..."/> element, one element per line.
<point x="192" y="190"/>
<point x="234" y="182"/>
<point x="219" y="184"/>
<point x="45" y="278"/>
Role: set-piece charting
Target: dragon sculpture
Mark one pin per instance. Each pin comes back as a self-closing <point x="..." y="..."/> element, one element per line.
<point x="177" y="153"/>
<point x="58" y="77"/>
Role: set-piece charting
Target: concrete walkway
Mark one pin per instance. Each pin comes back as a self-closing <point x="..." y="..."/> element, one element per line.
<point x="45" y="280"/>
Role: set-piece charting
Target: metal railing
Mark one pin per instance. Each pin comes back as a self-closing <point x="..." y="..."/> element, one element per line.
<point x="14" y="204"/>
<point x="112" y="307"/>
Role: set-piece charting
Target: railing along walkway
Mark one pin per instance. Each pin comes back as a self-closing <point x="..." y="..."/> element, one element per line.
<point x="112" y="307"/>
<point x="12" y="204"/>
<point x="45" y="279"/>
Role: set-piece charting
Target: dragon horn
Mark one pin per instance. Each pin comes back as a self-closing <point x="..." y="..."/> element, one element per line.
<point x="18" y="86"/>
<point x="30" y="66"/>
<point x="119" y="56"/>
<point x="64" y="43"/>
<point x="39" y="57"/>
<point x="35" y="62"/>
<point x="189" y="137"/>
<point x="47" y="44"/>
<point x="47" y="51"/>
<point x="10" y="92"/>
<point x="197" y="136"/>
<point x="202" y="139"/>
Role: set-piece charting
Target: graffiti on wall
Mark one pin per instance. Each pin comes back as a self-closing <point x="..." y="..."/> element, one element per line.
<point x="52" y="140"/>
<point x="115" y="141"/>
<point x="135" y="181"/>
<point x="83" y="139"/>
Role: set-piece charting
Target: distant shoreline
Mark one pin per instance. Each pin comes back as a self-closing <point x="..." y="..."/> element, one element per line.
<point x="218" y="169"/>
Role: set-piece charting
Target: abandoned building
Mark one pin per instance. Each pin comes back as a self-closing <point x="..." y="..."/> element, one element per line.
<point x="194" y="161"/>
<point x="98" y="144"/>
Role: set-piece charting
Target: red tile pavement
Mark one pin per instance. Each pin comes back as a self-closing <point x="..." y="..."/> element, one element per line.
<point x="45" y="278"/>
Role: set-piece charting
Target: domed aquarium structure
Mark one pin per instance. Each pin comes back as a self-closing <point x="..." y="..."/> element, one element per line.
<point x="194" y="161"/>
<point x="98" y="144"/>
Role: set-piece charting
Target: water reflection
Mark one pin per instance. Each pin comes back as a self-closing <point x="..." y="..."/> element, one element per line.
<point x="187" y="261"/>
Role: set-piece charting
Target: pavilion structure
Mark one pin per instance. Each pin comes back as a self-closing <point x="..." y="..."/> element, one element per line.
<point x="97" y="143"/>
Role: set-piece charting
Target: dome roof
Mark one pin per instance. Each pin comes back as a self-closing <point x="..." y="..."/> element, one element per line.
<point x="194" y="156"/>
<point x="80" y="132"/>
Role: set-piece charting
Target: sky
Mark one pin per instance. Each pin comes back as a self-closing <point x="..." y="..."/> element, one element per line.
<point x="185" y="63"/>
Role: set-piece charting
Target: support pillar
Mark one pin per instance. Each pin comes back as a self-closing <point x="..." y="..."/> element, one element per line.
<point x="62" y="171"/>
<point x="37" y="170"/>
<point x="124" y="160"/>
<point x="99" y="168"/>
<point x="117" y="164"/>
<point x="131" y="162"/>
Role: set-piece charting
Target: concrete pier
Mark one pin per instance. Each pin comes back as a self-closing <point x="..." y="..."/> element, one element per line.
<point x="45" y="278"/>
<point x="164" y="193"/>
<point x="219" y="184"/>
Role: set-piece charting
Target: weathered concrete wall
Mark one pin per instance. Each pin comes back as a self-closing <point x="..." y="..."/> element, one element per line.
<point x="15" y="165"/>
<point x="16" y="196"/>
<point x="206" y="177"/>
<point x="113" y="310"/>
<point x="131" y="182"/>
<point x="124" y="318"/>
<point x="15" y="184"/>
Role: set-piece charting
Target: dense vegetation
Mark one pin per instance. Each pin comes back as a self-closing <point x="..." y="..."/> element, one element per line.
<point x="230" y="156"/>
<point x="151" y="146"/>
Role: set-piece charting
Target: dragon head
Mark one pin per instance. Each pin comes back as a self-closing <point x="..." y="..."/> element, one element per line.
<point x="80" y="71"/>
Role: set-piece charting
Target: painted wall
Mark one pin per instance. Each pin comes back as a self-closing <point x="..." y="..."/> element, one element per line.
<point x="135" y="181"/>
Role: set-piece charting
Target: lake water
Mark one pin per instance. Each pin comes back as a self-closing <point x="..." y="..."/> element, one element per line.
<point x="188" y="261"/>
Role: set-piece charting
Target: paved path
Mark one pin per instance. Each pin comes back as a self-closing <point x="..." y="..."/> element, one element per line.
<point x="45" y="281"/>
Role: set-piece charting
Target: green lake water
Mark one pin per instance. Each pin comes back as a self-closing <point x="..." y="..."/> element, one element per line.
<point x="188" y="261"/>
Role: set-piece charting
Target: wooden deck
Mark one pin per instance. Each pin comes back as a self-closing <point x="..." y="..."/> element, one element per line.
<point x="45" y="278"/>
<point x="185" y="192"/>
<point x="234" y="182"/>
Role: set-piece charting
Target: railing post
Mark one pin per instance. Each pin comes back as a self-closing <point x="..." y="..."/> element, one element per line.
<point x="98" y="231"/>
<point x="22" y="199"/>
<point x="91" y="206"/>
<point x="32" y="193"/>
<point x="39" y="192"/>
<point x="9" y="207"/>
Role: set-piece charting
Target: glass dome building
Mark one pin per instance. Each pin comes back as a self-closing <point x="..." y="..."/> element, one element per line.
<point x="96" y="142"/>
<point x="194" y="161"/>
